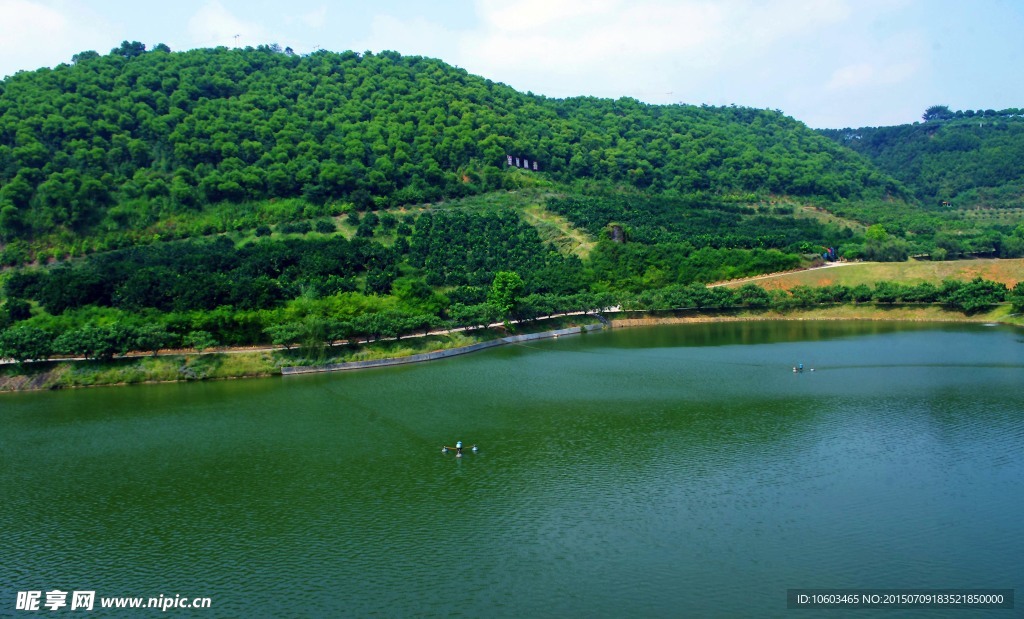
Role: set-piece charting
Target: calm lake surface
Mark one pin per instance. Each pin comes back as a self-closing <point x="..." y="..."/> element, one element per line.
<point x="657" y="472"/>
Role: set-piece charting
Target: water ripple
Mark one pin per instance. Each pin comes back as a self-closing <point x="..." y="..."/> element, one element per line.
<point x="637" y="482"/>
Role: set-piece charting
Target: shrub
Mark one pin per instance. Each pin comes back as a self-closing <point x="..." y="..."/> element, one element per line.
<point x="325" y="226"/>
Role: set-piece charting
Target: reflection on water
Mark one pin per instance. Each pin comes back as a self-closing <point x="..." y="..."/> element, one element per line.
<point x="648" y="472"/>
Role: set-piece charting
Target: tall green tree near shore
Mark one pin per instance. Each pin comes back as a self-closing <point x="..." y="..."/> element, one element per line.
<point x="504" y="293"/>
<point x="25" y="343"/>
<point x="973" y="296"/>
<point x="1016" y="297"/>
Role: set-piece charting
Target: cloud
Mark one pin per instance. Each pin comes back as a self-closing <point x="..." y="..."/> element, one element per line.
<point x="809" y="58"/>
<point x="21" y="21"/>
<point x="416" y="36"/>
<point x="213" y="25"/>
<point x="861" y="75"/>
<point x="33" y="34"/>
<point x="588" y="37"/>
<point x="315" y="19"/>
<point x="893" y="67"/>
<point x="851" y="76"/>
<point x="533" y="14"/>
<point x="656" y="50"/>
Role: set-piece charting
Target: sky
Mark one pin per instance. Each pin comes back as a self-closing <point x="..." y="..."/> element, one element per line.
<point x="827" y="63"/>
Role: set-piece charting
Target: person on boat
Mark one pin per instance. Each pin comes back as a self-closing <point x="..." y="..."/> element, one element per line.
<point x="458" y="448"/>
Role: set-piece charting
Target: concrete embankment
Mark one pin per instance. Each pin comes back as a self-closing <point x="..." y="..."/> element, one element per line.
<point x="437" y="354"/>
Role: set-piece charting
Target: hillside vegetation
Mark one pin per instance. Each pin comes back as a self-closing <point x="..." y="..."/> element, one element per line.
<point x="151" y="199"/>
<point x="112" y="145"/>
<point x="957" y="159"/>
<point x="966" y="169"/>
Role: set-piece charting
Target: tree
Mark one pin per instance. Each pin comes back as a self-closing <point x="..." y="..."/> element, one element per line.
<point x="876" y="232"/>
<point x="97" y="342"/>
<point x="84" y="56"/>
<point x="947" y="243"/>
<point x="974" y="296"/>
<point x="200" y="340"/>
<point x="891" y="249"/>
<point x="1012" y="246"/>
<point x="888" y="292"/>
<point x="1016" y="297"/>
<point x="504" y="292"/>
<point x="922" y="293"/>
<point x="129" y="50"/>
<point x="861" y="293"/>
<point x="752" y="295"/>
<point x="25" y="343"/>
<point x="937" y="112"/>
<point x="804" y="296"/>
<point x="472" y="316"/>
<point x="15" y="309"/>
<point x="288" y="334"/>
<point x="152" y="337"/>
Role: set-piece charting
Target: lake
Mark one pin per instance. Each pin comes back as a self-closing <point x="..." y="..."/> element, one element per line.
<point x="656" y="472"/>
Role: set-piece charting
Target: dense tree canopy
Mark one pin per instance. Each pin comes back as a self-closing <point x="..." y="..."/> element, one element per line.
<point x="117" y="141"/>
<point x="956" y="159"/>
<point x="229" y="196"/>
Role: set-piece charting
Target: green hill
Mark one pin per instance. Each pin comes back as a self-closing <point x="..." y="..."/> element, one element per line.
<point x="156" y="199"/>
<point x="114" y="145"/>
<point x="964" y="159"/>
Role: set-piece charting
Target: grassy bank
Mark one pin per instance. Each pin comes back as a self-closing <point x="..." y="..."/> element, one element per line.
<point x="897" y="312"/>
<point x="135" y="370"/>
<point x="239" y="363"/>
<point x="242" y="364"/>
<point x="213" y="366"/>
<point x="1006" y="271"/>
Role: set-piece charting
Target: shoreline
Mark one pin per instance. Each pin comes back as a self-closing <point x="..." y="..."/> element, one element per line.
<point x="48" y="380"/>
<point x="649" y="321"/>
<point x="437" y="354"/>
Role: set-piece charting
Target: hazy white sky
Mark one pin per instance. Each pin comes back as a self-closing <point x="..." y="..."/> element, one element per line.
<point x="828" y="63"/>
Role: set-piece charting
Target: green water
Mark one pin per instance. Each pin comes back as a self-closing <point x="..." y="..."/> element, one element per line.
<point x="662" y="472"/>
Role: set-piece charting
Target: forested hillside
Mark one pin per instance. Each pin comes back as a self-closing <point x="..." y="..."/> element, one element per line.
<point x="113" y="144"/>
<point x="963" y="159"/>
<point x="151" y="199"/>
